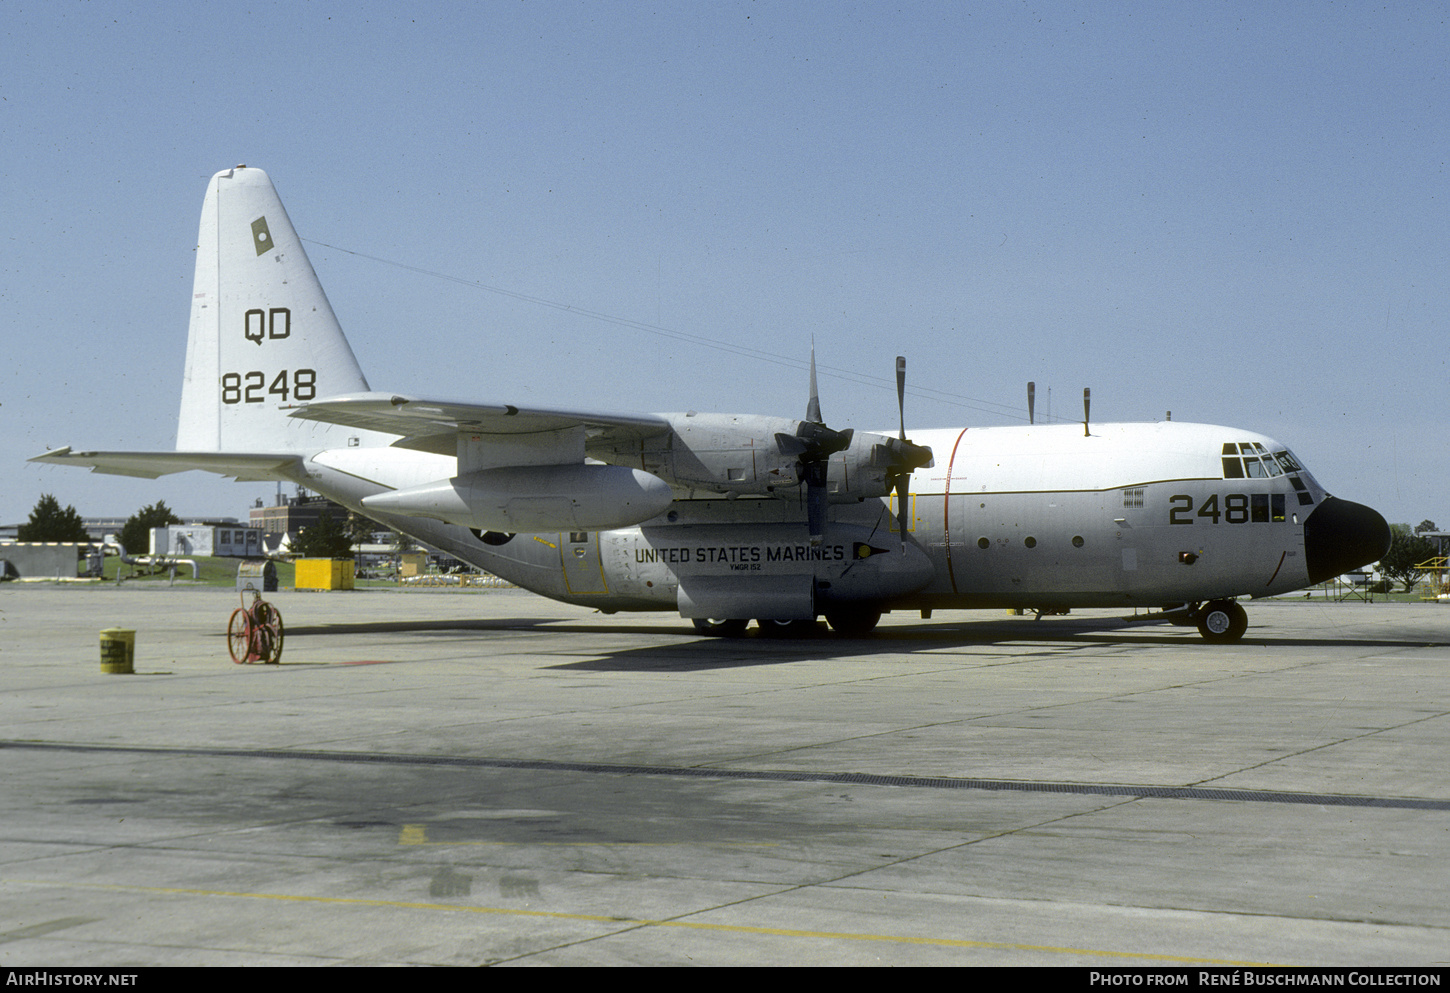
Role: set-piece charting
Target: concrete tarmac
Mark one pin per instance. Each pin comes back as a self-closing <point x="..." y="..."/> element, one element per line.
<point x="468" y="778"/>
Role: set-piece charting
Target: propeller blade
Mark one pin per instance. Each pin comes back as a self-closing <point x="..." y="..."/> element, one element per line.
<point x="813" y="405"/>
<point x="903" y="479"/>
<point x="816" y="500"/>
<point x="790" y="444"/>
<point x="903" y="493"/>
<point x="901" y="392"/>
<point x="812" y="442"/>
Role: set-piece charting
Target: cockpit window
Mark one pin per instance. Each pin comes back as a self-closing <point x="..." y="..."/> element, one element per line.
<point x="1233" y="466"/>
<point x="1251" y="460"/>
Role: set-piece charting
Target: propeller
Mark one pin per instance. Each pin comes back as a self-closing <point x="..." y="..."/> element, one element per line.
<point x="905" y="455"/>
<point x="813" y="444"/>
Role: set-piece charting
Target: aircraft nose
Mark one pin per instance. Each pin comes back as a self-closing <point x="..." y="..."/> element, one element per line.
<point x="1340" y="536"/>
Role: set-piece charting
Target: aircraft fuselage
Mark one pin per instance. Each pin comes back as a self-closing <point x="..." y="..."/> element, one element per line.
<point x="1046" y="517"/>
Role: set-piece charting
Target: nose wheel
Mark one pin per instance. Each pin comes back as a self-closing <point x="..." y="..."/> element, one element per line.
<point x="1222" y="621"/>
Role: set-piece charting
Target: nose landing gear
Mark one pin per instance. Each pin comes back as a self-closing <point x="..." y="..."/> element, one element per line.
<point x="1222" y="621"/>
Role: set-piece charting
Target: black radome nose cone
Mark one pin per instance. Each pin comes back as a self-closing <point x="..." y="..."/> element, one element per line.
<point x="1341" y="536"/>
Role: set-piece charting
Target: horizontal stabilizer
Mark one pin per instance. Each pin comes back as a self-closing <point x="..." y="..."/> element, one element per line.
<point x="152" y="465"/>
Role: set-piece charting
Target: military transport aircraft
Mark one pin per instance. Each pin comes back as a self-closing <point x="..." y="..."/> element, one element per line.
<point x="727" y="518"/>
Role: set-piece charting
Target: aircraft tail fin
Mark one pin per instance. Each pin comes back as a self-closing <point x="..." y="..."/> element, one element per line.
<point x="263" y="336"/>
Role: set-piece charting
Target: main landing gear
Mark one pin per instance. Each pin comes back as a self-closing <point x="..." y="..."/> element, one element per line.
<point x="1218" y="621"/>
<point x="712" y="627"/>
<point x="855" y="623"/>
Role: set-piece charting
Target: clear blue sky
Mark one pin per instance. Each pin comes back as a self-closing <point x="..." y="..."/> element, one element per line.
<point x="1234" y="211"/>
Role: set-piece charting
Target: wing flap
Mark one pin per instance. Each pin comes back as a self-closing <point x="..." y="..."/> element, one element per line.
<point x="415" y="417"/>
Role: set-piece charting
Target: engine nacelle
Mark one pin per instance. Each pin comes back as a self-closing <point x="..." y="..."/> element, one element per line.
<point x="862" y="470"/>
<point x="742" y="455"/>
<point x="576" y="497"/>
<point x="727" y="453"/>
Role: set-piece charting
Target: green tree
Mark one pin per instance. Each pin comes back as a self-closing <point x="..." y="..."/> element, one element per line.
<point x="1407" y="550"/>
<point x="135" y="534"/>
<point x="326" y="539"/>
<point x="360" y="529"/>
<point x="49" y="523"/>
<point x="403" y="544"/>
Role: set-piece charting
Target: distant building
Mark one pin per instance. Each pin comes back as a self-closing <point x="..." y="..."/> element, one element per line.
<point x="289" y="515"/>
<point x="98" y="527"/>
<point x="207" y="539"/>
<point x="44" y="559"/>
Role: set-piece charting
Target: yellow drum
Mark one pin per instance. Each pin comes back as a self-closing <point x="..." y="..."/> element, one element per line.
<point x="118" y="650"/>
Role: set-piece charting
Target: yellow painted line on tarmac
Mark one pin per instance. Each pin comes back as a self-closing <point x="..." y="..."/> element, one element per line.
<point x="899" y="939"/>
<point x="417" y="835"/>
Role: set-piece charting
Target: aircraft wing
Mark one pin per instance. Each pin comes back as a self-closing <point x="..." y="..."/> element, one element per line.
<point x="151" y="465"/>
<point x="419" y="417"/>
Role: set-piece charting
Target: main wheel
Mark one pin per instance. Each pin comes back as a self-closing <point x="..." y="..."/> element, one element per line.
<point x="853" y="623"/>
<point x="713" y="627"/>
<point x="786" y="629"/>
<point x="1222" y="621"/>
<point x="239" y="635"/>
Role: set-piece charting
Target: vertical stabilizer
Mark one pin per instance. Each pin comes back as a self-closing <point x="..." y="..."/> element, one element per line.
<point x="263" y="336"/>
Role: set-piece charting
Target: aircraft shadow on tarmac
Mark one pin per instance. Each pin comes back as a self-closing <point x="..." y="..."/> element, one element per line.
<point x="1052" y="638"/>
<point x="687" y="651"/>
<point x="419" y="626"/>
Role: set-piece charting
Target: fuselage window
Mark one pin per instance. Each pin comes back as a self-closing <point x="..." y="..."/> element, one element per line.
<point x="1266" y="508"/>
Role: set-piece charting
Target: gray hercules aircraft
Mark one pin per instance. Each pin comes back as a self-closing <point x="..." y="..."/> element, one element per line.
<point x="727" y="518"/>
